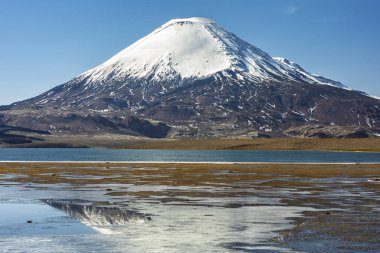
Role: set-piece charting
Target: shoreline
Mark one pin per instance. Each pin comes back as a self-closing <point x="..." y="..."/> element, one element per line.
<point x="191" y="149"/>
<point x="184" y="163"/>
<point x="272" y="144"/>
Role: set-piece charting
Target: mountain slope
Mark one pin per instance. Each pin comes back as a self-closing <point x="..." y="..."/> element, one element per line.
<point x="201" y="80"/>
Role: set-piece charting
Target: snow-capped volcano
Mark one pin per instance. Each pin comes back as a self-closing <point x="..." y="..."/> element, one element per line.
<point x="195" y="48"/>
<point x="197" y="79"/>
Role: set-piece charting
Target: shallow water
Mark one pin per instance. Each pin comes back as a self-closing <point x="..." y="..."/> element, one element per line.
<point x="247" y="211"/>
<point x="37" y="219"/>
<point x="170" y="227"/>
<point x="98" y="154"/>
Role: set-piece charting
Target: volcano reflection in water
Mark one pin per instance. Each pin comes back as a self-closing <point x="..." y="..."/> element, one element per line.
<point x="97" y="214"/>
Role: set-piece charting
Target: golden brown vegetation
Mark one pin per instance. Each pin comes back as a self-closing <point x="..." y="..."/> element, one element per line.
<point x="367" y="144"/>
<point x="183" y="174"/>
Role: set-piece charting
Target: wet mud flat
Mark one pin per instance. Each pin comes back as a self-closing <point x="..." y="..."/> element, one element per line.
<point x="185" y="207"/>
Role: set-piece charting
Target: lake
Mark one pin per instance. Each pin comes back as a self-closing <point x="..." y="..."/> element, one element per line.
<point x="101" y="154"/>
<point x="173" y="208"/>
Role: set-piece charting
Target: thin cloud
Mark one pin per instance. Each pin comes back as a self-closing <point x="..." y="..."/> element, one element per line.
<point x="291" y="10"/>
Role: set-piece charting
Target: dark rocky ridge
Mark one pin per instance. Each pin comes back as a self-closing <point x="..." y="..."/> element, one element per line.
<point x="55" y="121"/>
<point x="19" y="135"/>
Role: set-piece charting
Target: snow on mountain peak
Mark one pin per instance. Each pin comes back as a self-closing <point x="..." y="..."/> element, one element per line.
<point x="181" y="47"/>
<point x="306" y="76"/>
<point x="198" y="20"/>
<point x="195" y="48"/>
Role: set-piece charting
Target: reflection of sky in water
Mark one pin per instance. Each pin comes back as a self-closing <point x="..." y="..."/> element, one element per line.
<point x="173" y="228"/>
<point x="45" y="220"/>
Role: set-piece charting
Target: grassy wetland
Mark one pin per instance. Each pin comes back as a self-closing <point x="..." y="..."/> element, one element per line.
<point x="330" y="144"/>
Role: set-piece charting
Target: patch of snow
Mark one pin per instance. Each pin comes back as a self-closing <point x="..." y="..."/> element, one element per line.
<point x="311" y="110"/>
<point x="298" y="113"/>
<point x="324" y="96"/>
<point x="375" y="97"/>
<point x="368" y="122"/>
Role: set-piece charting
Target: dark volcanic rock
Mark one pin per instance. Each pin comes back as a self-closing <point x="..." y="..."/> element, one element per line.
<point x="146" y="128"/>
<point x="320" y="131"/>
<point x="357" y="134"/>
<point x="17" y="139"/>
<point x="232" y="105"/>
<point x="74" y="122"/>
<point x="19" y="135"/>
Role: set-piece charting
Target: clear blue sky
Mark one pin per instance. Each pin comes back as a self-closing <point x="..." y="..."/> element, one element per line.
<point x="44" y="43"/>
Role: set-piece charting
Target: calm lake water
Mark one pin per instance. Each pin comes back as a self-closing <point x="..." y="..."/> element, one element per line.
<point x="99" y="154"/>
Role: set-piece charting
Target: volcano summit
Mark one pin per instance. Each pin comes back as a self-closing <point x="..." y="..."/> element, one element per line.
<point x="191" y="77"/>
